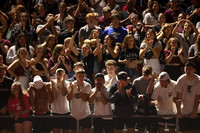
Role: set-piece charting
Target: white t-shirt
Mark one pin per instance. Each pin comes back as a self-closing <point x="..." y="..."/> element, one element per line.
<point x="164" y="96"/>
<point x="149" y="19"/>
<point x="60" y="103"/>
<point x="107" y="80"/>
<point x="189" y="90"/>
<point x="79" y="108"/>
<point x="99" y="107"/>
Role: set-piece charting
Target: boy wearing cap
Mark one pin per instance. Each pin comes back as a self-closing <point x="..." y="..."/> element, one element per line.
<point x="162" y="97"/>
<point x="187" y="102"/>
<point x="40" y="96"/>
<point x="198" y="26"/>
<point x="100" y="97"/>
<point x="123" y="95"/>
<point x="79" y="92"/>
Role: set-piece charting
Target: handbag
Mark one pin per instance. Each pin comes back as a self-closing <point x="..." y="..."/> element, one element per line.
<point x="148" y="54"/>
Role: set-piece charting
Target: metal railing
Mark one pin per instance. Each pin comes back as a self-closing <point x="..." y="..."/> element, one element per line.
<point x="4" y="118"/>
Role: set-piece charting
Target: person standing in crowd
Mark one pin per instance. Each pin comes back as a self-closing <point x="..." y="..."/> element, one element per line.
<point x="60" y="17"/>
<point x="85" y="31"/>
<point x="59" y="60"/>
<point x="194" y="54"/>
<point x="49" y="45"/>
<point x="139" y="33"/>
<point x="5" y="90"/>
<point x="187" y="100"/>
<point x="116" y="30"/>
<point x="193" y="11"/>
<point x="111" y="76"/>
<point x="40" y="96"/>
<point x="78" y="96"/>
<point x="173" y="11"/>
<point x="77" y="66"/>
<point x="102" y="107"/>
<point x="69" y="30"/>
<point x="123" y="95"/>
<point x="21" y="42"/>
<point x="24" y="26"/>
<point x="187" y="37"/>
<point x="39" y="64"/>
<point x="60" y="104"/>
<point x="129" y="57"/>
<point x="150" y="50"/>
<point x="105" y="19"/>
<point x="19" y="108"/>
<point x="174" y="58"/>
<point x="163" y="96"/>
<point x="43" y="30"/>
<point x="110" y="49"/>
<point x="151" y="18"/>
<point x="88" y="58"/>
<point x="144" y="86"/>
<point x="20" y="69"/>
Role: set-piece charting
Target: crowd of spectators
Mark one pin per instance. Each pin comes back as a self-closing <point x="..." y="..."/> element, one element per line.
<point x="75" y="58"/>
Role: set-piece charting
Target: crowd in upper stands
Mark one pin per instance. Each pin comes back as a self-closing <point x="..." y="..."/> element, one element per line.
<point x="116" y="56"/>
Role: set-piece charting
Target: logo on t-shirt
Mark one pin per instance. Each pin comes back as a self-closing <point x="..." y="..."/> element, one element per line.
<point x="189" y="87"/>
<point x="77" y="95"/>
<point x="98" y="99"/>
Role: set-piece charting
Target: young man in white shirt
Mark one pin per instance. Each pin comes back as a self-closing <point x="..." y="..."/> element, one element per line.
<point x="78" y="96"/>
<point x="162" y="97"/>
<point x="102" y="107"/>
<point x="187" y="102"/>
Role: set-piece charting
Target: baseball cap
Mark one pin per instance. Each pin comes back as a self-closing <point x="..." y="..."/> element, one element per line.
<point x="198" y="25"/>
<point x="38" y="82"/>
<point x="122" y="75"/>
<point x="99" y="75"/>
<point x="163" y="76"/>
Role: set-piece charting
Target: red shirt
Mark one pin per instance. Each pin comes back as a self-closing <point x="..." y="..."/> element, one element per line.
<point x="14" y="105"/>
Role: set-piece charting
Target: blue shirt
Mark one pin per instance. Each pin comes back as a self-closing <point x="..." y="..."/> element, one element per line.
<point x="119" y="33"/>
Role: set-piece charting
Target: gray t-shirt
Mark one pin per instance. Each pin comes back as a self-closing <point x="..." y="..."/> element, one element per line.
<point x="46" y="32"/>
<point x="85" y="31"/>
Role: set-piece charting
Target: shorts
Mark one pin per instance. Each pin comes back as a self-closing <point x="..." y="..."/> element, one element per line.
<point x="42" y="124"/>
<point x="150" y="124"/>
<point x="188" y="123"/>
<point x="21" y="120"/>
<point x="100" y="124"/>
<point x="171" y="122"/>
<point x="84" y="123"/>
<point x="120" y="122"/>
<point x="61" y="122"/>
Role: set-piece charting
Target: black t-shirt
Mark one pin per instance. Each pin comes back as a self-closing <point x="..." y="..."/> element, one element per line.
<point x="65" y="34"/>
<point x="130" y="54"/>
<point x="5" y="90"/>
<point x="88" y="64"/>
<point x="123" y="103"/>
